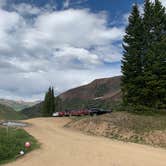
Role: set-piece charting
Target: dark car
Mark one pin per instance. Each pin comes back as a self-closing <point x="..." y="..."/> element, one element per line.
<point x="97" y="111"/>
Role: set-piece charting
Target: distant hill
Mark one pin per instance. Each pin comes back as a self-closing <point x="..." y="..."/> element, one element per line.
<point x="105" y="88"/>
<point x="32" y="112"/>
<point x="101" y="93"/>
<point x="8" y="113"/>
<point x="17" y="105"/>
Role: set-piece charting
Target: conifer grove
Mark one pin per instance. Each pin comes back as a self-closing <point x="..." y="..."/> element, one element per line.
<point x="51" y="104"/>
<point x="144" y="58"/>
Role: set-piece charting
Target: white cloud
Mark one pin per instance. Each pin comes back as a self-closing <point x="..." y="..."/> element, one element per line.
<point x="70" y="3"/>
<point x="28" y="9"/>
<point x="62" y="48"/>
<point x="66" y="3"/>
<point x="67" y="27"/>
<point x="162" y="1"/>
<point x="2" y="3"/>
<point x="24" y="9"/>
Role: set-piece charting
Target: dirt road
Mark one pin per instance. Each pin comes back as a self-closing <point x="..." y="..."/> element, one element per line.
<point x="62" y="147"/>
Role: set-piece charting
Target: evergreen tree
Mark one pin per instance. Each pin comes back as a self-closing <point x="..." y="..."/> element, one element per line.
<point x="48" y="104"/>
<point x="144" y="59"/>
<point x="53" y="100"/>
<point x="45" y="106"/>
<point x="58" y="104"/>
<point x="132" y="59"/>
<point x="154" y="45"/>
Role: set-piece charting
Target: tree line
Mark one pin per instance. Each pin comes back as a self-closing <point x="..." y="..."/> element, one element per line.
<point x="144" y="57"/>
<point x="51" y="104"/>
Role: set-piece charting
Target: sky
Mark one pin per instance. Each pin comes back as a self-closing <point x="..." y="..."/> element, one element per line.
<point x="59" y="43"/>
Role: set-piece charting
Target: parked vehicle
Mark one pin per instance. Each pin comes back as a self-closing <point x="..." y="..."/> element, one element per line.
<point x="55" y="114"/>
<point x="96" y="111"/>
<point x="81" y="112"/>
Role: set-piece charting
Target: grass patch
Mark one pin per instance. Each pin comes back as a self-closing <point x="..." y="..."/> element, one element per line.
<point x="13" y="142"/>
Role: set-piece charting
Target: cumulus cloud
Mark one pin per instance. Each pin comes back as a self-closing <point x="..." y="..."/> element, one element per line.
<point x="61" y="48"/>
<point x="25" y="9"/>
<point x="29" y="9"/>
<point x="2" y="3"/>
<point x="66" y="3"/>
<point x="162" y="1"/>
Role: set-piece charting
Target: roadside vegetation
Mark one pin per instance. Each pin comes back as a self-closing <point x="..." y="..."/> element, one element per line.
<point x="12" y="142"/>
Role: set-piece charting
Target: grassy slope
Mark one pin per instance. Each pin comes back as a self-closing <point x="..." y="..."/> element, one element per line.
<point x="130" y="127"/>
<point x="13" y="143"/>
<point x="7" y="113"/>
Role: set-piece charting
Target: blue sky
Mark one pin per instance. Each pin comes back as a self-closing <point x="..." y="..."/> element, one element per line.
<point x="60" y="43"/>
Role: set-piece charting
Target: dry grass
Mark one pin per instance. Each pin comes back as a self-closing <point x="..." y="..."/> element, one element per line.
<point x="126" y="127"/>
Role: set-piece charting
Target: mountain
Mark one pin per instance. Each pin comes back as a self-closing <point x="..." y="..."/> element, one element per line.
<point x="17" y="105"/>
<point x="8" y="113"/>
<point x="105" y="88"/>
<point x="103" y="93"/>
<point x="34" y="111"/>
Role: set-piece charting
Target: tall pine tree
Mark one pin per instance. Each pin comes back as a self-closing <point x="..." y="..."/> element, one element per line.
<point x="155" y="55"/>
<point x="49" y="103"/>
<point x="144" y="59"/>
<point x="132" y="59"/>
<point x="58" y="104"/>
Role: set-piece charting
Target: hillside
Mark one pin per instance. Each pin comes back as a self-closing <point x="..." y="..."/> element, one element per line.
<point x="32" y="112"/>
<point x="101" y="93"/>
<point x="7" y="113"/>
<point x="106" y="88"/>
<point x="17" y="105"/>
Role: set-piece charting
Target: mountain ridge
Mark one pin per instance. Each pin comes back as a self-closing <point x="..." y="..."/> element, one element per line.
<point x="100" y="93"/>
<point x="17" y="105"/>
<point x="104" y="87"/>
<point x="8" y="113"/>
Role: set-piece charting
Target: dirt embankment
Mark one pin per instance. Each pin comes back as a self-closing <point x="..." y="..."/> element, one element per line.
<point x="64" y="147"/>
<point x="125" y="127"/>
